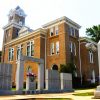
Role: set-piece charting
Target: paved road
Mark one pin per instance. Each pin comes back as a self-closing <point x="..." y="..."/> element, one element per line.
<point x="56" y="95"/>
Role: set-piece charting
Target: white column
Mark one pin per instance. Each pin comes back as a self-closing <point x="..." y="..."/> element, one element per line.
<point x="20" y="75"/>
<point x="41" y="76"/>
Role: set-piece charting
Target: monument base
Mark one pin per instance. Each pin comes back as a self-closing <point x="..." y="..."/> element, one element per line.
<point x="97" y="93"/>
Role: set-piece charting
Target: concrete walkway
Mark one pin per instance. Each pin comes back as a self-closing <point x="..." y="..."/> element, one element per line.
<point x="54" y="95"/>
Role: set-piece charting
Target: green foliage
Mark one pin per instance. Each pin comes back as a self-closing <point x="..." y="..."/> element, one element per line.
<point x="69" y="68"/>
<point x="94" y="33"/>
<point x="84" y="94"/>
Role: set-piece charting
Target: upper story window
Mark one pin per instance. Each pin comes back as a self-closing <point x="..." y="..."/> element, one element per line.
<point x="30" y="49"/>
<point x="51" y="32"/>
<point x="7" y="33"/>
<point x="91" y="56"/>
<point x="51" y="48"/>
<point x="71" y="47"/>
<point x="74" y="49"/>
<point x="11" y="54"/>
<point x="69" y="30"/>
<point x="19" y="50"/>
<point x="76" y="33"/>
<point x="56" y="30"/>
<point x="57" y="47"/>
<point x="72" y="31"/>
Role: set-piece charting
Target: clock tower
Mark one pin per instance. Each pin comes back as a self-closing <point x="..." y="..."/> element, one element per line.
<point x="16" y="20"/>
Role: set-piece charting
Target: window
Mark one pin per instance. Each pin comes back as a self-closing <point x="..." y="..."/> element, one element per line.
<point x="69" y="30"/>
<point x="51" y="32"/>
<point x="72" y="31"/>
<point x="11" y="54"/>
<point x="71" y="47"/>
<point x="74" y="49"/>
<point x="17" y="32"/>
<point x="76" y="33"/>
<point x="91" y="56"/>
<point x="54" y="67"/>
<point x="7" y="33"/>
<point x="30" y="49"/>
<point x="56" y="30"/>
<point x="19" y="50"/>
<point x="29" y="69"/>
<point x="52" y="48"/>
<point x="57" y="47"/>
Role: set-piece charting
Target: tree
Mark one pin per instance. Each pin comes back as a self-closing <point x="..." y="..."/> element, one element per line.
<point x="94" y="33"/>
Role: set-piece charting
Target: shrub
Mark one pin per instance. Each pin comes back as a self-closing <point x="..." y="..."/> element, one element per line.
<point x="68" y="68"/>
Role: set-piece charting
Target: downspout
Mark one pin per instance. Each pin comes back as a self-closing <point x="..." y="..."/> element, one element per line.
<point x="45" y="54"/>
<point x="80" y="63"/>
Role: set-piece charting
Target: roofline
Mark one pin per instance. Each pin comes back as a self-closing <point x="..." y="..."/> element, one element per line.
<point x="64" y="18"/>
<point x="27" y="35"/>
<point x="85" y="38"/>
<point x="12" y="23"/>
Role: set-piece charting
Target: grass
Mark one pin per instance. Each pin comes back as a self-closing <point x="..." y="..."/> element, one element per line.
<point x="84" y="94"/>
<point x="50" y="99"/>
<point x="56" y="99"/>
<point x="84" y="88"/>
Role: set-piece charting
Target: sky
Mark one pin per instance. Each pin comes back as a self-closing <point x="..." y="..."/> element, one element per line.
<point x="84" y="12"/>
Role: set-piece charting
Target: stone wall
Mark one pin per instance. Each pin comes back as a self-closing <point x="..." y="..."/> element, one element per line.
<point x="66" y="81"/>
<point x="56" y="81"/>
<point x="5" y="76"/>
<point x="52" y="80"/>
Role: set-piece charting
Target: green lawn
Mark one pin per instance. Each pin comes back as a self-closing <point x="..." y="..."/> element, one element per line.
<point x="56" y="99"/>
<point x="84" y="94"/>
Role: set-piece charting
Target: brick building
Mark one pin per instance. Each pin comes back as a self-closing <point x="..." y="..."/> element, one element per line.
<point x="57" y="42"/>
<point x="89" y="59"/>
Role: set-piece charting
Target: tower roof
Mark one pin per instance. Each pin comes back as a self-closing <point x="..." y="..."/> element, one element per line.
<point x="17" y="11"/>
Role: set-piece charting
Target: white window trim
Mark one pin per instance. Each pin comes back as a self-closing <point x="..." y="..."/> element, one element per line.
<point x="72" y="29"/>
<point x="57" y="48"/>
<point x="56" y="30"/>
<point x="11" y="56"/>
<point x="74" y="33"/>
<point x="71" y="47"/>
<point x="51" y="31"/>
<point x="91" y="56"/>
<point x="20" y="47"/>
<point x="30" y="43"/>
<point x="51" y="48"/>
<point x="75" y="49"/>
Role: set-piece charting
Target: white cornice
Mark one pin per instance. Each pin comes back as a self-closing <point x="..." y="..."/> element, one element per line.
<point x="85" y="38"/>
<point x="64" y="18"/>
<point x="26" y="36"/>
<point x="12" y="24"/>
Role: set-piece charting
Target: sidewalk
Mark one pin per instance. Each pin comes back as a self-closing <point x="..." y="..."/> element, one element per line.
<point x="56" y="95"/>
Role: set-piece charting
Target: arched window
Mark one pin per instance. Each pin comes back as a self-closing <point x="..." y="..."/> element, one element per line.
<point x="29" y="69"/>
<point x="54" y="67"/>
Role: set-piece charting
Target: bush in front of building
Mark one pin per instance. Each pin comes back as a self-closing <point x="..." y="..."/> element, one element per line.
<point x="68" y="68"/>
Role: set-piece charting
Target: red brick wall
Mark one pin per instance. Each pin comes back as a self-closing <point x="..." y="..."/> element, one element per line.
<point x="87" y="67"/>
